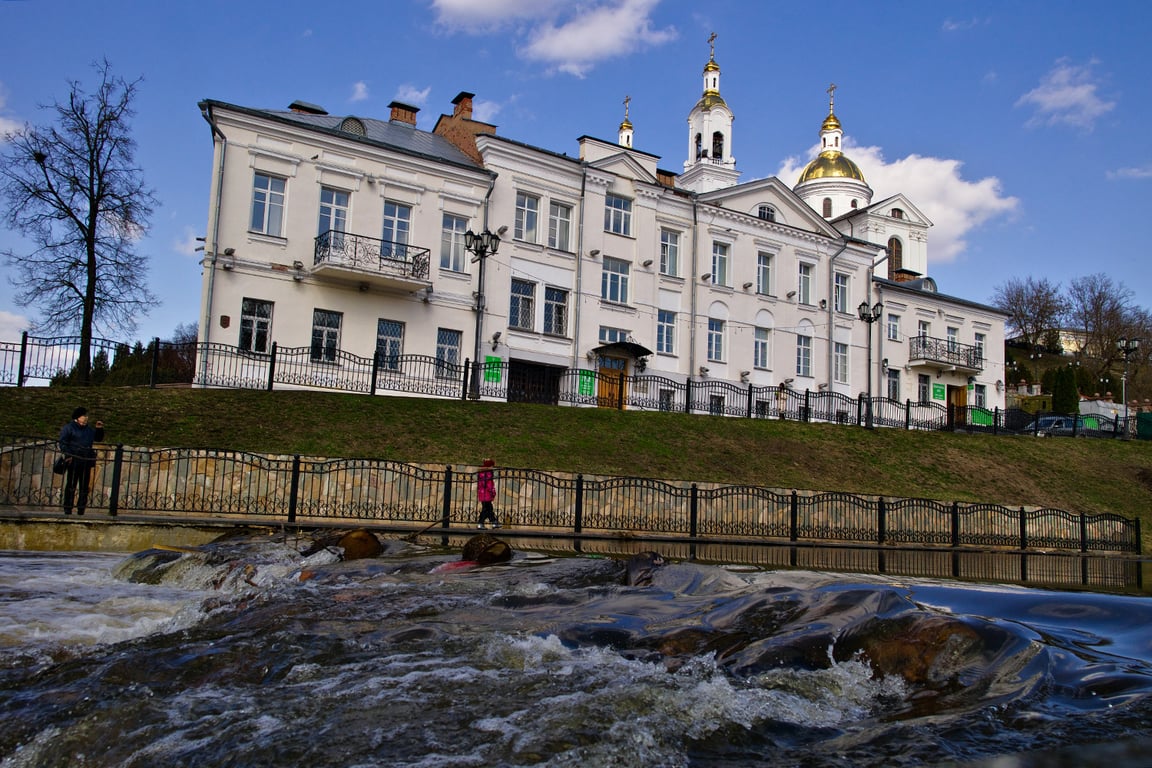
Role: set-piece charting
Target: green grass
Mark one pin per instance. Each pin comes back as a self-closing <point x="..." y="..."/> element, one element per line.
<point x="1074" y="475"/>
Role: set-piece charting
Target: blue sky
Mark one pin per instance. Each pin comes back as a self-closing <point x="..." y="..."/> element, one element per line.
<point x="1019" y="128"/>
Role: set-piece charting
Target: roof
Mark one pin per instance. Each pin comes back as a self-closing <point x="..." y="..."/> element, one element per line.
<point x="927" y="286"/>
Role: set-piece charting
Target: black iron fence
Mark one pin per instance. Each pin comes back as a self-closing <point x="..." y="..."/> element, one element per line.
<point x="224" y="365"/>
<point x="256" y="488"/>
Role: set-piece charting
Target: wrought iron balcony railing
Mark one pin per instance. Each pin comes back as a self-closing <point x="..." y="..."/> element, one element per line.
<point x="946" y="352"/>
<point x="371" y="255"/>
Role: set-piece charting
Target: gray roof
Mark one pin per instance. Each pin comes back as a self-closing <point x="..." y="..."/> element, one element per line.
<point x="400" y="137"/>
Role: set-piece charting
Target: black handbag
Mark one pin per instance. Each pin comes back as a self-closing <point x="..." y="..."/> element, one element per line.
<point x="60" y="464"/>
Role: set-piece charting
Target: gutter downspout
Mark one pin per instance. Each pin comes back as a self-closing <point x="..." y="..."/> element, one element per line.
<point x="692" y="306"/>
<point x="832" y="305"/>
<point x="879" y="296"/>
<point x="221" y="141"/>
<point x="481" y="299"/>
<point x="579" y="268"/>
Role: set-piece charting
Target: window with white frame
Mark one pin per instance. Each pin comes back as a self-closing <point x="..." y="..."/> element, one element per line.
<point x="669" y="252"/>
<point x="255" y="325"/>
<point x="333" y="216"/>
<point x="980" y="340"/>
<point x="766" y="212"/>
<point x="764" y="273"/>
<point x="720" y="263"/>
<point x="325" y="335"/>
<point x="923" y="329"/>
<point x="761" y="347"/>
<point x="840" y="363"/>
<point x="923" y="388"/>
<point x="981" y="395"/>
<point x="389" y="344"/>
<point x="953" y="339"/>
<point x="268" y="204"/>
<point x="894" y="385"/>
<point x="893" y="327"/>
<point x="840" y="292"/>
<point x="610" y="335"/>
<point x="527" y="217"/>
<point x="614" y="280"/>
<point x="555" y="311"/>
<point x="715" y="340"/>
<point x="666" y="332"/>
<point x="804" y="284"/>
<point x="397" y="226"/>
<point x="560" y="226"/>
<point x="617" y="215"/>
<point x="522" y="306"/>
<point x="447" y="352"/>
<point x="452" y="242"/>
<point x="803" y="355"/>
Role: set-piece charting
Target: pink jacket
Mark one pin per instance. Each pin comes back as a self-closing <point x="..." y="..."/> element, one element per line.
<point x="485" y="486"/>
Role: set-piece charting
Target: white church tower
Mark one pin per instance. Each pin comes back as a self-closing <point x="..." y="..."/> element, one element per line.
<point x="710" y="164"/>
<point x="832" y="184"/>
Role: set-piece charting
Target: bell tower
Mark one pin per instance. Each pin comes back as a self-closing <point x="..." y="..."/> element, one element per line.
<point x="710" y="164"/>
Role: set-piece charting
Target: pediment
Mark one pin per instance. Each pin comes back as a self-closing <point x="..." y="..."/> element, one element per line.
<point x="900" y="201"/>
<point x="791" y="210"/>
<point x="623" y="165"/>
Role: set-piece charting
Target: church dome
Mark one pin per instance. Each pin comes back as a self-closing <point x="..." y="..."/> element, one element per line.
<point x="709" y="100"/>
<point x="831" y="165"/>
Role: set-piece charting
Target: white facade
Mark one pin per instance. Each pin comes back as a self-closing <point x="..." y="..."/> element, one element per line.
<point x="606" y="262"/>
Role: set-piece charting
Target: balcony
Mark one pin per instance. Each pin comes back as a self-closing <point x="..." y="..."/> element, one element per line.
<point x="380" y="263"/>
<point x="945" y="355"/>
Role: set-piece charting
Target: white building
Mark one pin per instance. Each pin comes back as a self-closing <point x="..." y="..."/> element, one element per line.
<point x="345" y="235"/>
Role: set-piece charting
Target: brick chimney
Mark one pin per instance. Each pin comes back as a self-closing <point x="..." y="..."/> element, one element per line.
<point x="460" y="129"/>
<point x="403" y="113"/>
<point x="463" y="105"/>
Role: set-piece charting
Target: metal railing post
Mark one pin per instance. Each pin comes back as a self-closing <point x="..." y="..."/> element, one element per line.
<point x="955" y="524"/>
<point x="446" y="505"/>
<point x="23" y="358"/>
<point x="1023" y="529"/>
<point x="155" y="362"/>
<point x="375" y="371"/>
<point x="1083" y="533"/>
<point x="272" y="367"/>
<point x="881" y="521"/>
<point x="464" y="382"/>
<point x="794" y="518"/>
<point x="294" y="490"/>
<point x="694" y="511"/>
<point x="578" y="524"/>
<point x="114" y="496"/>
<point x="688" y="396"/>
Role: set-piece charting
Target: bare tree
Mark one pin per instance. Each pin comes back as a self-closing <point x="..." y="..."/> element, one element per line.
<point x="1102" y="311"/>
<point x="1034" y="307"/>
<point x="72" y="190"/>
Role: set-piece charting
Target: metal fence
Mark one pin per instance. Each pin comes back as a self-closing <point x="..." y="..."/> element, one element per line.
<point x="205" y="483"/>
<point x="226" y="366"/>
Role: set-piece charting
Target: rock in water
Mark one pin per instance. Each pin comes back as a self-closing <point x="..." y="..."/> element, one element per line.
<point x="483" y="548"/>
<point x="356" y="544"/>
<point x="640" y="567"/>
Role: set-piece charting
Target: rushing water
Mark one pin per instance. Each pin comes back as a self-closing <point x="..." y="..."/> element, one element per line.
<point x="245" y="653"/>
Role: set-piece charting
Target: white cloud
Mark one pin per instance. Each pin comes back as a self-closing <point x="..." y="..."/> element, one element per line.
<point x="1067" y="95"/>
<point x="1142" y="172"/>
<point x="187" y="244"/>
<point x="7" y="125"/>
<point x="12" y="325"/>
<point x="962" y="25"/>
<point x="485" y="111"/>
<point x="567" y="37"/>
<point x="410" y="95"/>
<point x="935" y="185"/>
<point x="359" y="91"/>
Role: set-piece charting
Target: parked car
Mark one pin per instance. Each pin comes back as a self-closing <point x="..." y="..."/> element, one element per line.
<point x="1069" y="426"/>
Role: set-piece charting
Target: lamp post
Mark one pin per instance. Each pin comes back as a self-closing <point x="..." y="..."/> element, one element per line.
<point x="481" y="246"/>
<point x="869" y="315"/>
<point x="1126" y="346"/>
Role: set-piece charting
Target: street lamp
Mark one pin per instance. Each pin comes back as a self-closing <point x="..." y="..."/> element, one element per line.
<point x="481" y="246"/>
<point x="869" y="315"/>
<point x="1126" y="346"/>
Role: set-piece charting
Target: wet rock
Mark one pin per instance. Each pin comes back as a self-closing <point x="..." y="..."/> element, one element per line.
<point x="356" y="545"/>
<point x="640" y="568"/>
<point x="485" y="549"/>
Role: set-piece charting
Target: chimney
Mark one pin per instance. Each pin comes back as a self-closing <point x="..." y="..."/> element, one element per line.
<point x="304" y="108"/>
<point x="463" y="105"/>
<point x="403" y="113"/>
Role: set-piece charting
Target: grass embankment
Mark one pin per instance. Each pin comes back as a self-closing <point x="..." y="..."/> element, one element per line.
<point x="1074" y="475"/>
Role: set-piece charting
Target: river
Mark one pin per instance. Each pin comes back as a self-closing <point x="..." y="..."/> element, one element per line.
<point x="246" y="653"/>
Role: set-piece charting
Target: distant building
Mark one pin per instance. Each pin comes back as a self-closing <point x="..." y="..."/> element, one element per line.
<point x="344" y="233"/>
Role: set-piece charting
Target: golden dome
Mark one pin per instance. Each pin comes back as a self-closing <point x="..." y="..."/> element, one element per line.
<point x="831" y="123"/>
<point x="711" y="99"/>
<point x="711" y="66"/>
<point x="831" y="164"/>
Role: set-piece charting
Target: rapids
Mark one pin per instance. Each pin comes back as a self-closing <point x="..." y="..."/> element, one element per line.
<point x="246" y="653"/>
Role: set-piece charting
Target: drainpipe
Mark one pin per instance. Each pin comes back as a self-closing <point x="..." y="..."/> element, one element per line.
<point x="692" y="306"/>
<point x="217" y="136"/>
<point x="481" y="300"/>
<point x="832" y="305"/>
<point x="579" y="297"/>
<point x="879" y="297"/>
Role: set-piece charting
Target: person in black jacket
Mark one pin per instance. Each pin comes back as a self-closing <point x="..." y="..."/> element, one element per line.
<point x="76" y="439"/>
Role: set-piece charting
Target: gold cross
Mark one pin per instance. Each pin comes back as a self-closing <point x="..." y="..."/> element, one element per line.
<point x="831" y="96"/>
<point x="712" y="45"/>
<point x="626" y="100"/>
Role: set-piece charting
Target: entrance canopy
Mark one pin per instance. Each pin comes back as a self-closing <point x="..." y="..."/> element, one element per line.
<point x="629" y="348"/>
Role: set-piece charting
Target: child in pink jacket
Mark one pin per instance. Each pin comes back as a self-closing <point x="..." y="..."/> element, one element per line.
<point x="486" y="494"/>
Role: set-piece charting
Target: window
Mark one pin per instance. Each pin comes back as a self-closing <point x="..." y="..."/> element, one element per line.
<point x="953" y="339"/>
<point x="522" y="309"/>
<point x="617" y="215"/>
<point x="720" y="263"/>
<point x="761" y="347"/>
<point x="897" y="213"/>
<point x="333" y="216"/>
<point x="803" y="355"/>
<point x="923" y="388"/>
<point x="527" y="214"/>
<point x="389" y="344"/>
<point x="397" y="223"/>
<point x="716" y="340"/>
<point x="840" y="293"/>
<point x="255" y="325"/>
<point x="268" y="204"/>
<point x="614" y="281"/>
<point x="447" y="352"/>
<point x="766" y="212"/>
<point x="980" y="340"/>
<point x="981" y="393"/>
<point x="894" y="327"/>
<point x="840" y="363"/>
<point x="555" y="311"/>
<point x="452" y="243"/>
<point x="559" y="226"/>
<point x="325" y="335"/>
<point x="923" y="329"/>
<point x="764" y="273"/>
<point x="804" y="284"/>
<point x="669" y="252"/>
<point x="666" y="332"/>
<point x="827" y="208"/>
<point x="895" y="257"/>
<point x="894" y="385"/>
<point x="609" y="335"/>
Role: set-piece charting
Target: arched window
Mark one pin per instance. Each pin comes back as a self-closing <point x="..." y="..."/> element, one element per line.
<point x="897" y="213"/>
<point x="718" y="145"/>
<point x="766" y="212"/>
<point x="827" y="207"/>
<point x="895" y="257"/>
<point x="853" y="203"/>
<point x="353" y="125"/>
